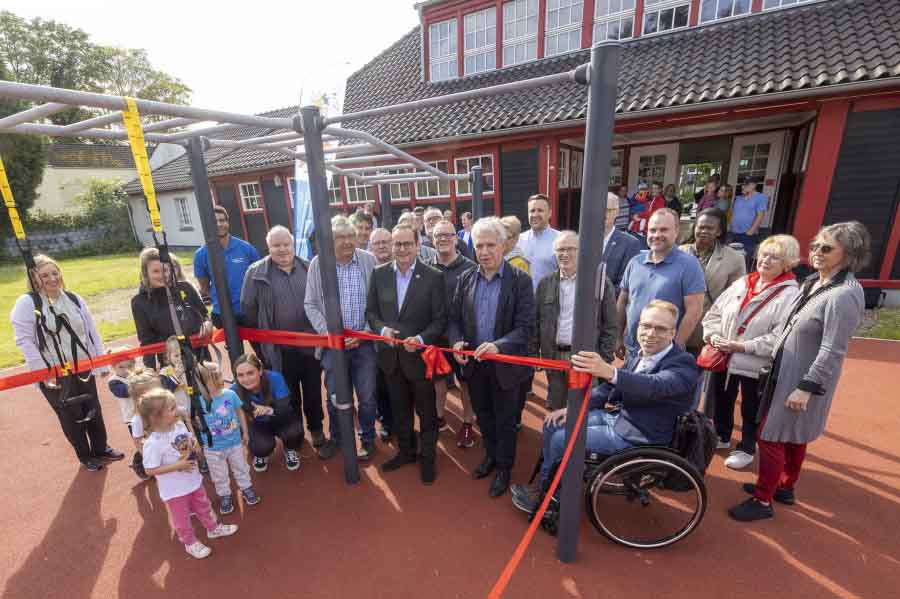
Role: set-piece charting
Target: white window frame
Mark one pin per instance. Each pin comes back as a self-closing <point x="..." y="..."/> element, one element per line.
<point x="251" y="202"/>
<point x="488" y="49"/>
<point x="488" y="176"/>
<point x="766" y="5"/>
<point x="717" y="4"/>
<point x="335" y="197"/>
<point x="183" y="210"/>
<point x="575" y="7"/>
<point x="526" y="41"/>
<point x="577" y="169"/>
<point x="657" y="7"/>
<point x="562" y="169"/>
<point x="420" y="185"/>
<point x="290" y="185"/>
<point x="616" y="168"/>
<point x="618" y="16"/>
<point x="438" y="60"/>
<point x="354" y="187"/>
<point x="397" y="189"/>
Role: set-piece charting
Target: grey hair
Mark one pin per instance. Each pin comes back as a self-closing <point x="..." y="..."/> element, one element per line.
<point x="855" y="241"/>
<point x="566" y="233"/>
<point x="433" y="209"/>
<point x="340" y="223"/>
<point x="276" y="230"/>
<point x="489" y="224"/>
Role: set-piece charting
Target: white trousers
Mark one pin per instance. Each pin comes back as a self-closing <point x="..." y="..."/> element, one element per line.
<point x="219" y="461"/>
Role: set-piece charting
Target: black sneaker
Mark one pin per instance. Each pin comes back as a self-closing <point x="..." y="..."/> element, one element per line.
<point x="111" y="455"/>
<point x="785" y="496"/>
<point x="318" y="439"/>
<point x="328" y="450"/>
<point x="751" y="510"/>
<point x="92" y="464"/>
<point x="398" y="461"/>
<point x="260" y="464"/>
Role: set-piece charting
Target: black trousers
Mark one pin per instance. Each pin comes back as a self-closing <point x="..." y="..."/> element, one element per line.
<point x="303" y="375"/>
<point x="383" y="401"/>
<point x="407" y="396"/>
<point x="262" y="435"/>
<point x="496" y="410"/>
<point x="725" y="398"/>
<point x="88" y="439"/>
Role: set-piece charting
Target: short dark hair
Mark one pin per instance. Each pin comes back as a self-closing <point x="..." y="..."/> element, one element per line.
<point x="467" y="215"/>
<point x="406" y="227"/>
<point x="540" y="196"/>
<point x="360" y="216"/>
<point x="419" y="210"/>
<point x="719" y="216"/>
<point x="218" y="209"/>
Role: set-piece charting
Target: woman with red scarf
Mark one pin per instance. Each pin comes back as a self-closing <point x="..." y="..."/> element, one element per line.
<point x="745" y="322"/>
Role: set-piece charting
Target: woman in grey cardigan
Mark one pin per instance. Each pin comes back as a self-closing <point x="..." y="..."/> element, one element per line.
<point x="809" y="355"/>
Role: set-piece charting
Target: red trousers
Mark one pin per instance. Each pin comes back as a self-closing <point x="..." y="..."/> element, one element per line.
<point x="779" y="467"/>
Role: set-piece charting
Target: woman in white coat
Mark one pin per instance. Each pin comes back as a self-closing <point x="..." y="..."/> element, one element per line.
<point x="745" y="322"/>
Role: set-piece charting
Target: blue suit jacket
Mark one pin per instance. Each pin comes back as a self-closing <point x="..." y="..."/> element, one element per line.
<point x="650" y="402"/>
<point x="621" y="248"/>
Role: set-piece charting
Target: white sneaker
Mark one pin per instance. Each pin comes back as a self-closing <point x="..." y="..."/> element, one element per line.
<point x="722" y="445"/>
<point x="738" y="460"/>
<point x="198" y="550"/>
<point x="222" y="530"/>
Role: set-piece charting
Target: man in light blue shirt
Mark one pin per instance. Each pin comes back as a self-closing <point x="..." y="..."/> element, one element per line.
<point x="747" y="216"/>
<point x="537" y="243"/>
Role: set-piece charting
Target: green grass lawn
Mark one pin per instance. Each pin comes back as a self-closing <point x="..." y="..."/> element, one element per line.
<point x="887" y="325"/>
<point x="92" y="278"/>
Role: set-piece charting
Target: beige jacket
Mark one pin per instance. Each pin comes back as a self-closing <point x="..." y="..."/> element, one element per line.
<point x="725" y="267"/>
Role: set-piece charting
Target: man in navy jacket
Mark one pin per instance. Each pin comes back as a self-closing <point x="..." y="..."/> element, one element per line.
<point x="637" y="405"/>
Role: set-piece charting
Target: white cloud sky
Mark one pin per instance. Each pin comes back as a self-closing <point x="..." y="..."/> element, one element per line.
<point x="249" y="57"/>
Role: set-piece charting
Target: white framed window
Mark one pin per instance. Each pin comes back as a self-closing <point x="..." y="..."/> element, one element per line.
<point x="616" y="161"/>
<point x="753" y="162"/>
<point x="251" y="196"/>
<point x="520" y="22"/>
<point x="613" y="19"/>
<point x="562" y="169"/>
<point x="713" y="10"/>
<point x="577" y="169"/>
<point x="663" y="15"/>
<point x="290" y="186"/>
<point x="443" y="48"/>
<point x="184" y="212"/>
<point x="434" y="188"/>
<point x="464" y="165"/>
<point x="652" y="168"/>
<point x="334" y="189"/>
<point x="359" y="192"/>
<point x="480" y="41"/>
<point x="767" y="4"/>
<point x="563" y="27"/>
<point x="398" y="191"/>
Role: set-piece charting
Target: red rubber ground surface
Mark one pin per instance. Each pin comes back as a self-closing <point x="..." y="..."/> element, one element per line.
<point x="68" y="533"/>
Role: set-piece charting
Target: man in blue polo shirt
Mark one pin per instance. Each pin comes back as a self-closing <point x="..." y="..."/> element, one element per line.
<point x="747" y="216"/>
<point x="661" y="273"/>
<point x="239" y="255"/>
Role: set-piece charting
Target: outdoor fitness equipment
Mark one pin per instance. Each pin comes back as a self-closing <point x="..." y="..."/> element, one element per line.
<point x="311" y="129"/>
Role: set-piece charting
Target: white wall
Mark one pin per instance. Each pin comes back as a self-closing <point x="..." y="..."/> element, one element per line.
<point x="177" y="235"/>
<point x="56" y="193"/>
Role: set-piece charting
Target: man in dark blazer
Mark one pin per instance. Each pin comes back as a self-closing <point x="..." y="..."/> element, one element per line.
<point x="407" y="301"/>
<point x="638" y="404"/>
<point x="493" y="312"/>
<point x="618" y="247"/>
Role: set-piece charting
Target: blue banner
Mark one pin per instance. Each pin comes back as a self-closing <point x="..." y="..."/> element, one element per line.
<point x="303" y="216"/>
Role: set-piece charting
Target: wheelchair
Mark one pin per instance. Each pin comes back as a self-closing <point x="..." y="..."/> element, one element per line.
<point x="645" y="497"/>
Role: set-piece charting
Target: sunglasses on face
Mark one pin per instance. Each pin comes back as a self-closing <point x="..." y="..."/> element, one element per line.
<point x="823" y="248"/>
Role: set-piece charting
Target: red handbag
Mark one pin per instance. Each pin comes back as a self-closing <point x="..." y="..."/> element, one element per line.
<point x="715" y="360"/>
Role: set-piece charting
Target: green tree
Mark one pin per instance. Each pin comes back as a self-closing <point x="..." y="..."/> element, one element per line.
<point x="24" y="157"/>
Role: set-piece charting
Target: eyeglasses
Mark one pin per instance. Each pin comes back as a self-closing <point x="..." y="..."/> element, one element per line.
<point x="824" y="248"/>
<point x="404" y="245"/>
<point x="649" y="328"/>
<point x="444" y="236"/>
<point x="566" y="250"/>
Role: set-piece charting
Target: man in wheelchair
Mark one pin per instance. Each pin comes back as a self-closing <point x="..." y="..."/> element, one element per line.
<point x="638" y="404"/>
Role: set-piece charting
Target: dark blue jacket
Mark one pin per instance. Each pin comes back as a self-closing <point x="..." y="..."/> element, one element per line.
<point x="650" y="402"/>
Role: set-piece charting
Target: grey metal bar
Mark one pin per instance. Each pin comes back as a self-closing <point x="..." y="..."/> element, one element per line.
<point x="97" y="121"/>
<point x="358" y="159"/>
<point x="483" y="92"/>
<point x="416" y="176"/>
<point x="214" y="249"/>
<point x="368" y="137"/>
<point x="36" y="112"/>
<point x="477" y="182"/>
<point x="60" y="131"/>
<point x="168" y="124"/>
<point x="384" y="194"/>
<point x="605" y="59"/>
<point x="309" y="122"/>
<point x="375" y="168"/>
<point x="201" y="132"/>
<point x="264" y="139"/>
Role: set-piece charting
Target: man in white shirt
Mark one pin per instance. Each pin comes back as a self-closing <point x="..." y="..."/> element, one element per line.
<point x="537" y="243"/>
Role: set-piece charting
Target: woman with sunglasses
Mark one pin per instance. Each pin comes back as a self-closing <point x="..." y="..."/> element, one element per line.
<point x="809" y="355"/>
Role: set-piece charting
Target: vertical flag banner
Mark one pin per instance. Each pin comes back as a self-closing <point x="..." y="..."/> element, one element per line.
<point x="303" y="217"/>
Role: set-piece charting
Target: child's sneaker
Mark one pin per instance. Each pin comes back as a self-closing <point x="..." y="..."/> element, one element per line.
<point x="250" y="496"/>
<point x="260" y="464"/>
<point x="198" y="549"/>
<point x="226" y="505"/>
<point x="291" y="460"/>
<point x="222" y="530"/>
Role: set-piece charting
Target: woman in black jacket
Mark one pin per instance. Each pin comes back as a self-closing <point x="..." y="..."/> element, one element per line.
<point x="150" y="306"/>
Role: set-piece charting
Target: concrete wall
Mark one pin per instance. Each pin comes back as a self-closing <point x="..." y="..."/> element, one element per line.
<point x="177" y="235"/>
<point x="56" y="243"/>
<point x="57" y="191"/>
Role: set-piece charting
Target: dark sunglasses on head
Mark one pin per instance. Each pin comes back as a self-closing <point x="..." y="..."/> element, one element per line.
<point x="820" y="247"/>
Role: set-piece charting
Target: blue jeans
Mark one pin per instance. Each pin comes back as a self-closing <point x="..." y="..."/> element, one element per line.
<point x="750" y="242"/>
<point x="361" y="364"/>
<point x="601" y="437"/>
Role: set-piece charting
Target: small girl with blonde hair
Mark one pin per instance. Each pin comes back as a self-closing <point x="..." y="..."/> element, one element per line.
<point x="169" y="455"/>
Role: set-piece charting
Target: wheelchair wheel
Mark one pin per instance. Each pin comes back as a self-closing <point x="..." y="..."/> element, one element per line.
<point x="646" y="498"/>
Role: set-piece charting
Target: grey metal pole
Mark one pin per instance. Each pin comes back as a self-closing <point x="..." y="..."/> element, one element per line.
<point x="213" y="247"/>
<point x="309" y="124"/>
<point x="477" y="183"/>
<point x="604" y="71"/>
<point x="384" y="193"/>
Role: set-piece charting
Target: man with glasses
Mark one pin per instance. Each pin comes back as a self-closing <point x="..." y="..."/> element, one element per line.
<point x="554" y="326"/>
<point x="407" y="301"/>
<point x="618" y="247"/>
<point x="637" y="404"/>
<point x="380" y="246"/>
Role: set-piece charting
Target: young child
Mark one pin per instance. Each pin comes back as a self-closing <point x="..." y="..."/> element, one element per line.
<point x="228" y="425"/>
<point x="118" y="386"/>
<point x="169" y="456"/>
<point x="139" y="383"/>
<point x="173" y="379"/>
